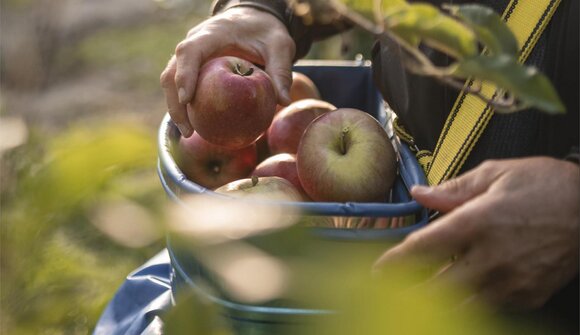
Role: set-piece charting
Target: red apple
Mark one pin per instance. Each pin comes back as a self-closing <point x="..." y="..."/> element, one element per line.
<point x="289" y="124"/>
<point x="280" y="165"/>
<point x="210" y="165"/>
<point x="234" y="102"/>
<point x="346" y="156"/>
<point x="262" y="147"/>
<point x="302" y="88"/>
<point x="265" y="188"/>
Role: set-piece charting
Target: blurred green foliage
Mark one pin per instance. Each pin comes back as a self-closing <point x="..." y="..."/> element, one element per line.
<point x="330" y="278"/>
<point x="140" y="52"/>
<point x="59" y="270"/>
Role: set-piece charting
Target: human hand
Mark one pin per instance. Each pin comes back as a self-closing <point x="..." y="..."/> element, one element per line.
<point x="512" y="225"/>
<point x="247" y="33"/>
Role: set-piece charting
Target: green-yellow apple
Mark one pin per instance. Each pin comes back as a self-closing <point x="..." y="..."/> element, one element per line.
<point x="212" y="166"/>
<point x="262" y="188"/>
<point x="234" y="102"/>
<point x="346" y="156"/>
<point x="289" y="124"/>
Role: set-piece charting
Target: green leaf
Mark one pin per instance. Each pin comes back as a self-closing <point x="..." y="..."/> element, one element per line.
<point x="490" y="28"/>
<point x="327" y="11"/>
<point x="532" y="88"/>
<point x="426" y="23"/>
<point x="367" y="6"/>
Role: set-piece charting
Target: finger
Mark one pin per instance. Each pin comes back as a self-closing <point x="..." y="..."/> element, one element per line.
<point x="188" y="56"/>
<point x="279" y="66"/>
<point x="455" y="192"/>
<point x="176" y="110"/>
<point x="463" y="273"/>
<point x="440" y="240"/>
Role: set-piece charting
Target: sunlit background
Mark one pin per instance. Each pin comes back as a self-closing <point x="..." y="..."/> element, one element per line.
<point x="80" y="103"/>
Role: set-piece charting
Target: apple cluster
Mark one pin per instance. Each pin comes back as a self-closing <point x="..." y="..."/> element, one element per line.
<point x="245" y="143"/>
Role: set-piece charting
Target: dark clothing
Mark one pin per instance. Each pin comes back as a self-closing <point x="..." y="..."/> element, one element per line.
<point x="423" y="103"/>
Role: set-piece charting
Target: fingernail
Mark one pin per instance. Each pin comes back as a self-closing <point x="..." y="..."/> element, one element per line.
<point x="184" y="129"/>
<point x="420" y="189"/>
<point x="182" y="96"/>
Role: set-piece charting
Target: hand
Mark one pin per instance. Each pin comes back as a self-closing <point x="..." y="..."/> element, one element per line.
<point x="512" y="226"/>
<point x="247" y="33"/>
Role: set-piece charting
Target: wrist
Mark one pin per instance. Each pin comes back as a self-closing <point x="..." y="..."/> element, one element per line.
<point x="278" y="8"/>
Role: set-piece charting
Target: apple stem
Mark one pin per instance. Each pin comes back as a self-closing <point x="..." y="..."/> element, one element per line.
<point x="241" y="73"/>
<point x="343" y="134"/>
<point x="254" y="180"/>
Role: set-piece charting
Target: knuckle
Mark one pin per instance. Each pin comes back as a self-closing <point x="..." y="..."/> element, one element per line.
<point x="488" y="165"/>
<point x="452" y="185"/>
<point x="283" y="40"/>
<point x="167" y="78"/>
<point x="182" y="48"/>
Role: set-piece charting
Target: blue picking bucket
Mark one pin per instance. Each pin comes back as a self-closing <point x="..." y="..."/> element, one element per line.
<point x="344" y="84"/>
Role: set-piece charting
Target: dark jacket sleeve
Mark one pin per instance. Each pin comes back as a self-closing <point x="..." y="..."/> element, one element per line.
<point x="302" y="34"/>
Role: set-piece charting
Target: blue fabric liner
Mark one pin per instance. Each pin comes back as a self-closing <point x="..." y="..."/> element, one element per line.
<point x="137" y="306"/>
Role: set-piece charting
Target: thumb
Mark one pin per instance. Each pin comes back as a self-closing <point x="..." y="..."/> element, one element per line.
<point x="455" y="192"/>
<point x="279" y="68"/>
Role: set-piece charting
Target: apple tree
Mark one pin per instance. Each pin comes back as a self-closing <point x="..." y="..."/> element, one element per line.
<point x="482" y="46"/>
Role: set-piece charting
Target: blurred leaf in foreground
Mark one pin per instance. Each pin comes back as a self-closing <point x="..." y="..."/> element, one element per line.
<point x="58" y="270"/>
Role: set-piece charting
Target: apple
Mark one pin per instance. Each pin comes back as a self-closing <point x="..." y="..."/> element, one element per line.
<point x="289" y="124"/>
<point x="234" y="102"/>
<point x="280" y="165"/>
<point x="363" y="222"/>
<point x="262" y="147"/>
<point x="212" y="166"/>
<point x="346" y="156"/>
<point x="265" y="188"/>
<point x="302" y="88"/>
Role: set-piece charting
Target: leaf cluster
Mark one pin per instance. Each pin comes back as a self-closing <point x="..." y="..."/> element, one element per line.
<point x="480" y="44"/>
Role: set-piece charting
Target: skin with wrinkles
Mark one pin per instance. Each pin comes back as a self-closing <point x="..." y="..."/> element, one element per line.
<point x="512" y="226"/>
<point x="250" y="34"/>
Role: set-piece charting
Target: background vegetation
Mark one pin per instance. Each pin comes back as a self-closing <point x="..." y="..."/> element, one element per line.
<point x="80" y="202"/>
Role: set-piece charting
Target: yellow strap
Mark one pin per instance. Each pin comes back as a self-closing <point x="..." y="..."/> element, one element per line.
<point x="403" y="134"/>
<point x="470" y="115"/>
<point x="424" y="157"/>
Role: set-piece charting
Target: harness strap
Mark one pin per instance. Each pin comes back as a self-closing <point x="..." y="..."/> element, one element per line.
<point x="470" y="115"/>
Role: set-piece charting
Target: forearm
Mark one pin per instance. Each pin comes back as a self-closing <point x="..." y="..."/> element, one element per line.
<point x="302" y="34"/>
